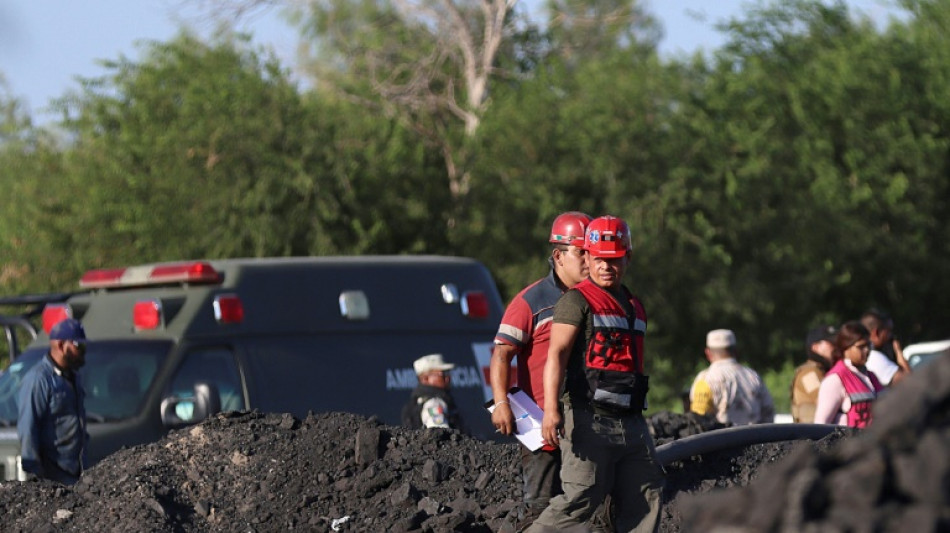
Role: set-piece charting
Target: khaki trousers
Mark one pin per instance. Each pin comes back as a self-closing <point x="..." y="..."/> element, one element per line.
<point x="601" y="455"/>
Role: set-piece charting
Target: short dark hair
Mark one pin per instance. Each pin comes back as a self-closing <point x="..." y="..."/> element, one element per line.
<point x="875" y="318"/>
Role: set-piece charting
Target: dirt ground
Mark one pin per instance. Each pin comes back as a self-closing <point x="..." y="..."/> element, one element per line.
<point x="253" y="472"/>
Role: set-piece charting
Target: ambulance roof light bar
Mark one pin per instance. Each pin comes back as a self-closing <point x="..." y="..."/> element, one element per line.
<point x="187" y="272"/>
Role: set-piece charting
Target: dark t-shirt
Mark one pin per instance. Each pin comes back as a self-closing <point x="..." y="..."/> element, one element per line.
<point x="573" y="309"/>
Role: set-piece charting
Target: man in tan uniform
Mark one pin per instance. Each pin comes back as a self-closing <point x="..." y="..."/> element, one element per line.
<point x="818" y="348"/>
<point x="733" y="392"/>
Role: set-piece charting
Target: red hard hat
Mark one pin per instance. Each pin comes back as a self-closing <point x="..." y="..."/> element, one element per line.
<point x="569" y="228"/>
<point x="607" y="236"/>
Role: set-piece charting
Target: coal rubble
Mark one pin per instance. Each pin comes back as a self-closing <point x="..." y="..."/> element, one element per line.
<point x="272" y="472"/>
<point x="893" y="477"/>
<point x="254" y="472"/>
<point x="667" y="427"/>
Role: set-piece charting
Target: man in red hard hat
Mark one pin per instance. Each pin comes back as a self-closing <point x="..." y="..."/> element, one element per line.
<point x="524" y="333"/>
<point x="596" y="353"/>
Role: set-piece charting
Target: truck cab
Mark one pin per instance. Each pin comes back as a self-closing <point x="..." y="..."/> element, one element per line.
<point x="172" y="343"/>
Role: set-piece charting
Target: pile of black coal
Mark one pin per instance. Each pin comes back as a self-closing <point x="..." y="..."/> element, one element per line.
<point x="727" y="467"/>
<point x="257" y="472"/>
<point x="254" y="472"/>
<point x="666" y="426"/>
<point x="328" y="472"/>
<point x="895" y="476"/>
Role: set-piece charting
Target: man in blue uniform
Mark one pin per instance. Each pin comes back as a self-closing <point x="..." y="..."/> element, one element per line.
<point x="52" y="415"/>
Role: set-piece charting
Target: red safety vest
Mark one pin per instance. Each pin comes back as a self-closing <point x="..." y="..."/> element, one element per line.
<point x="616" y="343"/>
<point x="861" y="396"/>
<point x="613" y="359"/>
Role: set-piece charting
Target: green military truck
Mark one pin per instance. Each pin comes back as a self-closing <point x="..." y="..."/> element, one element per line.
<point x="171" y="343"/>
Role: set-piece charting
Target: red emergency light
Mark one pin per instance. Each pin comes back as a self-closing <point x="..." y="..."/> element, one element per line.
<point x="197" y="272"/>
<point x="228" y="309"/>
<point x="147" y="314"/>
<point x="188" y="272"/>
<point x="101" y="278"/>
<point x="475" y="304"/>
<point x="54" y="314"/>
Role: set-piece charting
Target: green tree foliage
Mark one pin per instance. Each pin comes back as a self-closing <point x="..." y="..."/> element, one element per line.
<point x="208" y="150"/>
<point x="585" y="30"/>
<point x="550" y="143"/>
<point x="797" y="176"/>
<point x="814" y="144"/>
<point x="375" y="188"/>
<point x="12" y="120"/>
<point x="29" y="160"/>
<point x="188" y="153"/>
<point x="428" y="62"/>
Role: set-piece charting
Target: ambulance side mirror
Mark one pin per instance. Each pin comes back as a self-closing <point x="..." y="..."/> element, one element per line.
<point x="179" y="412"/>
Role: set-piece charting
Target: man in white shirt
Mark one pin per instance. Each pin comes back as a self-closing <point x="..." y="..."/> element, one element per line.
<point x="887" y="371"/>
<point x="887" y="356"/>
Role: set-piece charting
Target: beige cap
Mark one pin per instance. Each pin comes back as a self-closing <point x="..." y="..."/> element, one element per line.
<point x="720" y="338"/>
<point x="428" y="363"/>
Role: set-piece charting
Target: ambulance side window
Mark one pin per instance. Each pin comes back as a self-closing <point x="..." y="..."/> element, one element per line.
<point x="213" y="365"/>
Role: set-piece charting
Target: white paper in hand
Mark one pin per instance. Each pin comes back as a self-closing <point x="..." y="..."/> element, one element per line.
<point x="528" y="418"/>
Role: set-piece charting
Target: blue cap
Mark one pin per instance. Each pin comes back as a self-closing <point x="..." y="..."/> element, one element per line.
<point x="69" y="329"/>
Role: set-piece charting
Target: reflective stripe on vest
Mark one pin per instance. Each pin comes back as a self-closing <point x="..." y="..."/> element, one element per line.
<point x="614" y="345"/>
<point x="618" y="322"/>
<point x="859" y="415"/>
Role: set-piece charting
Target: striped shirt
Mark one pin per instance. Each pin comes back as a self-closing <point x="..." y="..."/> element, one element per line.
<point x="526" y="325"/>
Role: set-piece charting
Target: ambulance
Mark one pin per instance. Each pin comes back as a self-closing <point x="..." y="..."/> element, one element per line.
<point x="172" y="343"/>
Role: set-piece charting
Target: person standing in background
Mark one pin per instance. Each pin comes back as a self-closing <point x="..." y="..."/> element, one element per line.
<point x="849" y="388"/>
<point x="886" y="359"/>
<point x="819" y="349"/>
<point x="51" y="423"/>
<point x="735" y="393"/>
<point x="431" y="404"/>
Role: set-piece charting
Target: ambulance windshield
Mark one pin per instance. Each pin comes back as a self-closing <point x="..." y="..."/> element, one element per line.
<point x="116" y="377"/>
